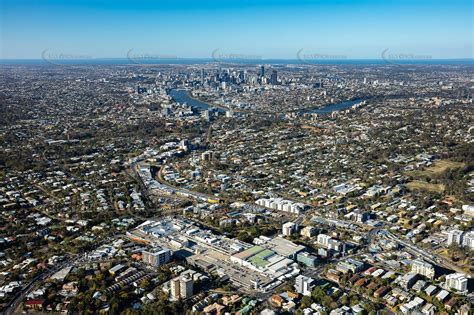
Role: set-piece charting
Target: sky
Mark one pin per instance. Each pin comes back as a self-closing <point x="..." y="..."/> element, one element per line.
<point x="267" y="29"/>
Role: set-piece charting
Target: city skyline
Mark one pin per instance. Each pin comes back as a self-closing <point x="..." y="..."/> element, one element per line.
<point x="320" y="30"/>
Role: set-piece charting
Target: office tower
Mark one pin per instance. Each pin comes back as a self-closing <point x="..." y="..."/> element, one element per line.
<point x="456" y="281"/>
<point x="319" y="84"/>
<point x="202" y="76"/>
<point x="141" y="90"/>
<point x="186" y="287"/>
<point x="423" y="268"/>
<point x="274" y="78"/>
<point x="262" y="71"/>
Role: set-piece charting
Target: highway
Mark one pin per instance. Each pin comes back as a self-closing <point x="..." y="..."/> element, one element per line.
<point x="413" y="249"/>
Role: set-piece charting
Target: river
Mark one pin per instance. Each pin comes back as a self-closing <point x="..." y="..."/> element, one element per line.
<point x="183" y="96"/>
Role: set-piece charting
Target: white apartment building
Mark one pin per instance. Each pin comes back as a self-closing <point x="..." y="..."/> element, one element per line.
<point x="457" y="281"/>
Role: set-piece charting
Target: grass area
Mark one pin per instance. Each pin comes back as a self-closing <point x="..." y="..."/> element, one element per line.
<point x="437" y="168"/>
<point x="442" y="165"/>
<point x="421" y="185"/>
<point x="422" y="177"/>
<point x="443" y="251"/>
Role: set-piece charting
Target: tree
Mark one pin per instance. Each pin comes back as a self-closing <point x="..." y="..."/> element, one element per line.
<point x="345" y="300"/>
<point x="306" y="301"/>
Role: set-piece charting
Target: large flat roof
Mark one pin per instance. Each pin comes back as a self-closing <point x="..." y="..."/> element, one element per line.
<point x="249" y="252"/>
<point x="285" y="247"/>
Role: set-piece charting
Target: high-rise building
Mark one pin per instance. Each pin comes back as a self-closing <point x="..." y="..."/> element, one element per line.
<point x="468" y="240"/>
<point x="455" y="237"/>
<point x="157" y="257"/>
<point x="289" y="228"/>
<point x="207" y="156"/>
<point x="262" y="71"/>
<point x="456" y="281"/>
<point x="184" y="144"/>
<point x="308" y="231"/>
<point x="423" y="268"/>
<point x="318" y="85"/>
<point x="186" y="287"/>
<point x="336" y="245"/>
<point x="206" y="115"/>
<point x="166" y="111"/>
<point x="202" y="76"/>
<point x="323" y="240"/>
<point x="304" y="285"/>
<point x="175" y="288"/>
<point x="229" y="113"/>
<point x="241" y="75"/>
<point x="274" y="78"/>
<point x="141" y="90"/>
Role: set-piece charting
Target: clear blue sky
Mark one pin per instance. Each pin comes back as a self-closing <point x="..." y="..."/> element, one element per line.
<point x="270" y="29"/>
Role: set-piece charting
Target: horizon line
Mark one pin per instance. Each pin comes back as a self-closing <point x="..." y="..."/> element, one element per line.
<point x="253" y="59"/>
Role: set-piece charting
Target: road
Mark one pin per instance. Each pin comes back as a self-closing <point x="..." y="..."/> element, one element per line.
<point x="431" y="258"/>
<point x="414" y="250"/>
<point x="70" y="261"/>
<point x="20" y="296"/>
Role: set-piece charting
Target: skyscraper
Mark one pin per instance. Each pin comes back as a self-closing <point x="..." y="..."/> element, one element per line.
<point x="241" y="76"/>
<point x="274" y="78"/>
<point x="202" y="76"/>
<point x="262" y="71"/>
